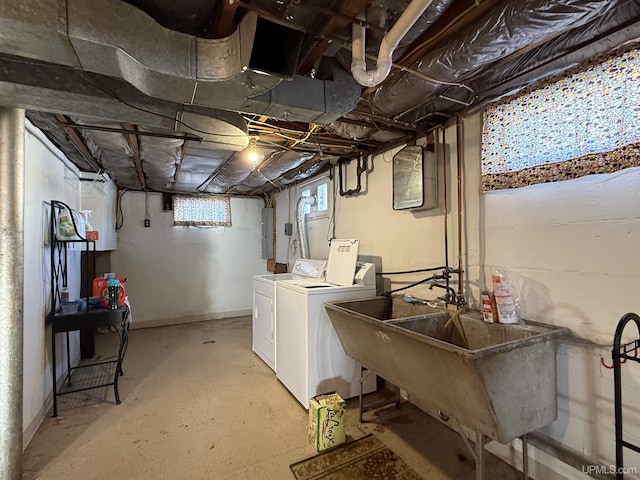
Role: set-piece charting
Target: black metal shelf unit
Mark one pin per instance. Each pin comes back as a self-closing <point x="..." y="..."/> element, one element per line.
<point x="59" y="256"/>
<point x="87" y="320"/>
<point x="620" y="354"/>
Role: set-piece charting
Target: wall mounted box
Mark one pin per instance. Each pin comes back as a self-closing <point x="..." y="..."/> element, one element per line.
<point x="415" y="179"/>
<point x="267" y="233"/>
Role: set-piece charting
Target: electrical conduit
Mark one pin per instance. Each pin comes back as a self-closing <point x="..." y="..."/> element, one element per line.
<point x="371" y="78"/>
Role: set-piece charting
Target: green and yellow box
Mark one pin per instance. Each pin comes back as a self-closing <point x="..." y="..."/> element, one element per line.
<point x="326" y="421"/>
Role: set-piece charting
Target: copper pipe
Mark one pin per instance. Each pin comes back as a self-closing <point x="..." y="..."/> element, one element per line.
<point x="444" y="204"/>
<point x="459" y="155"/>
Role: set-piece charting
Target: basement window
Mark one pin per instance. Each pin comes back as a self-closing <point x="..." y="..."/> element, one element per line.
<point x="583" y="122"/>
<point x="319" y="188"/>
<point x="201" y="211"/>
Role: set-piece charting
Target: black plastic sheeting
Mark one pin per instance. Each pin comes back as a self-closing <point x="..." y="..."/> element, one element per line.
<point x="564" y="51"/>
<point x="385" y="14"/>
<point x="500" y="32"/>
<point x="390" y="11"/>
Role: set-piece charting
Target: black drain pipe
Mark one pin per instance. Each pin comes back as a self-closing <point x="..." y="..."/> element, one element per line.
<point x="360" y="169"/>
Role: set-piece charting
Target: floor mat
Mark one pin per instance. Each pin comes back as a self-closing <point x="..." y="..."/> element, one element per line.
<point x="364" y="459"/>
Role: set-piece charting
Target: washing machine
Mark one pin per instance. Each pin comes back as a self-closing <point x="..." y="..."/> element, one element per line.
<point x="264" y="308"/>
<point x="310" y="357"/>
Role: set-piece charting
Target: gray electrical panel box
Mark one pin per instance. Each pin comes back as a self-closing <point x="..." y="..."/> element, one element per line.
<point x="430" y="164"/>
<point x="415" y="179"/>
<point x="267" y="233"/>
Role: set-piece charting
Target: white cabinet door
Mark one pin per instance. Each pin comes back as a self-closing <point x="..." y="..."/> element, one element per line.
<point x="263" y="329"/>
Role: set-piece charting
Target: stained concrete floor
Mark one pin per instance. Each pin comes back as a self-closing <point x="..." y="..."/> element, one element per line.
<point x="197" y="403"/>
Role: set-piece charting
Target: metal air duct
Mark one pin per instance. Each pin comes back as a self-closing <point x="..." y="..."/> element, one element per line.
<point x="117" y="40"/>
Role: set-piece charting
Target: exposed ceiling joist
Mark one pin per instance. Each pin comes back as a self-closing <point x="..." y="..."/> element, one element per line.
<point x="299" y="101"/>
<point x="227" y="14"/>
<point x="78" y="142"/>
<point x="132" y="139"/>
<point x="183" y="151"/>
<point x="334" y="26"/>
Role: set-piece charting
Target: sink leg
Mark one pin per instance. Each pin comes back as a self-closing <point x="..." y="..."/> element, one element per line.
<point x="525" y="458"/>
<point x="396" y="399"/>
<point x="480" y="438"/>
<point x="363" y="375"/>
<point x="396" y="395"/>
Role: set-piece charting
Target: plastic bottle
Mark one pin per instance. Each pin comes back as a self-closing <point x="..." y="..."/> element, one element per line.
<point x="504" y="300"/>
<point x="87" y="214"/>
<point x="489" y="313"/>
<point x="66" y="230"/>
<point x="113" y="286"/>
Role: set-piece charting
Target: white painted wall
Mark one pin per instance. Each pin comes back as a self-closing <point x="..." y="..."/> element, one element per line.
<point x="571" y="249"/>
<point x="47" y="176"/>
<point x="180" y="274"/>
<point x="394" y="240"/>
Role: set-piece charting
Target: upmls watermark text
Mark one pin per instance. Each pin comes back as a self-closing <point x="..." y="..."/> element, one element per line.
<point x="608" y="470"/>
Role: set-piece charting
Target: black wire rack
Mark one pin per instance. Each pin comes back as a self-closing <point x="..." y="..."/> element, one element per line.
<point x="620" y="353"/>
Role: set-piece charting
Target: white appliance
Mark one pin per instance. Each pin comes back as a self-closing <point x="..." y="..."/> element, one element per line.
<point x="310" y="356"/>
<point x="264" y="308"/>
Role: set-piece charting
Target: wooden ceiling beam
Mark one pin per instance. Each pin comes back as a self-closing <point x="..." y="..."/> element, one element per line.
<point x="183" y="151"/>
<point x="78" y="141"/>
<point x="334" y="26"/>
<point x="226" y="25"/>
<point x="132" y="140"/>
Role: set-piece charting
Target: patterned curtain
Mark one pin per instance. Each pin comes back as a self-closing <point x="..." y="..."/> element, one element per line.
<point x="582" y="122"/>
<point x="201" y="210"/>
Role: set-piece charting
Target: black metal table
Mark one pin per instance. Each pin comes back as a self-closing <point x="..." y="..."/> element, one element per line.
<point x="92" y="319"/>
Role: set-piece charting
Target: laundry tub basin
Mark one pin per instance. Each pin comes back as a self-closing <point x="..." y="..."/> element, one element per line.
<point x="497" y="379"/>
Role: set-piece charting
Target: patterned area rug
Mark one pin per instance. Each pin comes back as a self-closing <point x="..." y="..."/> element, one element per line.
<point x="363" y="459"/>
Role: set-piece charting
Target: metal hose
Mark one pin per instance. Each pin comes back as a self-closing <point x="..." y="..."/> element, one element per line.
<point x="301" y="224"/>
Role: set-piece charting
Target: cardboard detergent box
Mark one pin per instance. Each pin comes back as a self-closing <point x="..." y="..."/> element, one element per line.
<point x="326" y="421"/>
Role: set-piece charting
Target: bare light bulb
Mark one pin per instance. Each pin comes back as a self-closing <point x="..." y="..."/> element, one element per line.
<point x="253" y="152"/>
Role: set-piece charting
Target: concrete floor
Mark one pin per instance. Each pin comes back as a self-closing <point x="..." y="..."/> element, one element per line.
<point x="197" y="403"/>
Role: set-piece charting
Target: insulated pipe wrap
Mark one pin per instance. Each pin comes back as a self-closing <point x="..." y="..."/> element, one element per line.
<point x="11" y="290"/>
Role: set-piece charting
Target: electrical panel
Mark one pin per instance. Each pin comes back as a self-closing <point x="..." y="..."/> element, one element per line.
<point x="267" y="233"/>
<point x="430" y="165"/>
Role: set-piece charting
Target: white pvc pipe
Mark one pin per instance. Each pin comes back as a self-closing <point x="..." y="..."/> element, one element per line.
<point x="371" y="78"/>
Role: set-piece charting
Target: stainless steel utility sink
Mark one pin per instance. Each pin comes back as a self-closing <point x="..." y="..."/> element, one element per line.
<point x="498" y="379"/>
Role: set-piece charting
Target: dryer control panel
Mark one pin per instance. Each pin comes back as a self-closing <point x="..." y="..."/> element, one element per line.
<point x="365" y="274"/>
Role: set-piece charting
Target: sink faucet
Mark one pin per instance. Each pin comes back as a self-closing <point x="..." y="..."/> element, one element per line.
<point x="449" y="297"/>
